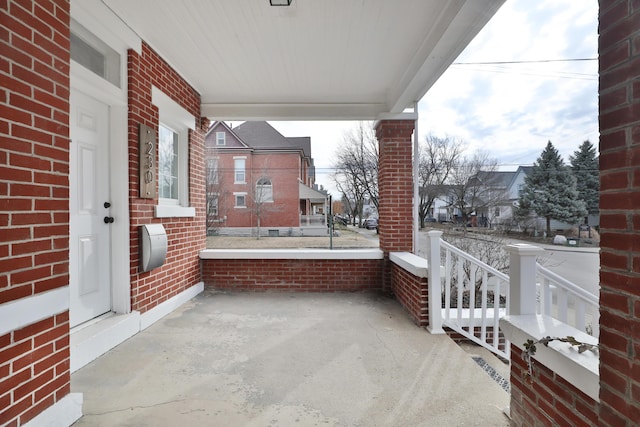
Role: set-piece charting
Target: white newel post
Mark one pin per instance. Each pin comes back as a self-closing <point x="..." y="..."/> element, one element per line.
<point x="435" y="284"/>
<point x="522" y="275"/>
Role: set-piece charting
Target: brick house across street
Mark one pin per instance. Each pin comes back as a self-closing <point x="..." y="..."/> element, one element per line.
<point x="255" y="173"/>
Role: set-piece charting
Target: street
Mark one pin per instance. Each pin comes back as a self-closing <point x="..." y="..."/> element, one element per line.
<point x="578" y="265"/>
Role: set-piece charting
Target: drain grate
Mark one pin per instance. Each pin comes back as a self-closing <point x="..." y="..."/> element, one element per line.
<point x="502" y="382"/>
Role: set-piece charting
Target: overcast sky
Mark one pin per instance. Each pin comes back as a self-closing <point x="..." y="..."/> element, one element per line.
<point x="510" y="110"/>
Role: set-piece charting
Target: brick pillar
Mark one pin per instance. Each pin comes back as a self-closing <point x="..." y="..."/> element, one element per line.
<point x="34" y="207"/>
<point x="395" y="189"/>
<point x="619" y="52"/>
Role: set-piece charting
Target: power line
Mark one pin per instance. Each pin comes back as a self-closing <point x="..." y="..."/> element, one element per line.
<point x="538" y="61"/>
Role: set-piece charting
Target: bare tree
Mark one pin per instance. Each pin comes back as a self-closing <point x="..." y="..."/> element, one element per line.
<point x="437" y="158"/>
<point x="472" y="187"/>
<point x="356" y="168"/>
<point x="262" y="195"/>
<point x="215" y="210"/>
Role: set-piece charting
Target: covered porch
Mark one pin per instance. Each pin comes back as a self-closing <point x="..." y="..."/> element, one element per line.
<point x="186" y="76"/>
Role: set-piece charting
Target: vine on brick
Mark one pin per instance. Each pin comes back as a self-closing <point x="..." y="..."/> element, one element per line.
<point x="530" y="348"/>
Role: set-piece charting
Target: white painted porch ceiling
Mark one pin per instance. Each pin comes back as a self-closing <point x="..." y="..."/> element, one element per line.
<point x="317" y="59"/>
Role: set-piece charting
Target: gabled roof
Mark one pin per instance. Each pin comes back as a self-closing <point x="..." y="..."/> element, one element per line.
<point x="217" y="126"/>
<point x="526" y="170"/>
<point x="302" y="142"/>
<point x="261" y="135"/>
<point x="498" y="179"/>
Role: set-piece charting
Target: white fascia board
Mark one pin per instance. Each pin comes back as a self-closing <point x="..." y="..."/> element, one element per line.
<point x="106" y="25"/>
<point x="462" y="24"/>
<point x="293" y="111"/>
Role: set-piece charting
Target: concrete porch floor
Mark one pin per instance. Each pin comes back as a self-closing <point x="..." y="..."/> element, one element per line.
<point x="283" y="359"/>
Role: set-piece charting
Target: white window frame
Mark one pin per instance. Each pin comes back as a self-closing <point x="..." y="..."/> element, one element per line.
<point x="235" y="170"/>
<point x="216" y="197"/>
<point x="176" y="118"/>
<point x="235" y="203"/>
<point x="216" y="175"/>
<point x="221" y="138"/>
<point x="259" y="191"/>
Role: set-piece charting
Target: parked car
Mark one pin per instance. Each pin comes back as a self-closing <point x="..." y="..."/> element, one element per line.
<point x="337" y="219"/>
<point x="430" y="219"/>
<point x="371" y="223"/>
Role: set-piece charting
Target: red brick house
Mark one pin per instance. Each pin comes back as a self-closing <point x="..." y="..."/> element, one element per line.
<point x="255" y="175"/>
<point x="74" y="205"/>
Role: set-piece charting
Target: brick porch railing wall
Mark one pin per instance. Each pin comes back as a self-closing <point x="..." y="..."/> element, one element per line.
<point x="395" y="211"/>
<point x="412" y="292"/>
<point x="305" y="275"/>
<point x="186" y="236"/>
<point x="619" y="52"/>
<point x="545" y="398"/>
<point x="34" y="201"/>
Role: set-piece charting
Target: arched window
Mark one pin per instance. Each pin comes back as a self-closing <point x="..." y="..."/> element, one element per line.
<point x="264" y="190"/>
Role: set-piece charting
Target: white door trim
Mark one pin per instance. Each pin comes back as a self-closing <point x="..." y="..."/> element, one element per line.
<point x="92" y="85"/>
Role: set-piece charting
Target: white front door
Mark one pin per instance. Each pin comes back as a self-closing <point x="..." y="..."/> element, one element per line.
<point x="90" y="237"/>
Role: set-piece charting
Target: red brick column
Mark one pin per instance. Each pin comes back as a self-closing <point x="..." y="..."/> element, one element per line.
<point x="395" y="189"/>
<point x="619" y="49"/>
<point x="34" y="202"/>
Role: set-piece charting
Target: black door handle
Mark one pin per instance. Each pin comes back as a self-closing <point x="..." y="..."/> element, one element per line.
<point x="108" y="219"/>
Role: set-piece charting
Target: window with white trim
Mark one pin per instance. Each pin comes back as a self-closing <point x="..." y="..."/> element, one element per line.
<point x="168" y="164"/>
<point x="221" y="138"/>
<point x="94" y="54"/>
<point x="213" y="200"/>
<point x="264" y="190"/>
<point x="239" y="168"/>
<point x="173" y="157"/>
<point x="212" y="171"/>
<point x="241" y="200"/>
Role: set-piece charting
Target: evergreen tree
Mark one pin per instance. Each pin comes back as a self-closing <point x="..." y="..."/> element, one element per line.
<point x="584" y="164"/>
<point x="550" y="190"/>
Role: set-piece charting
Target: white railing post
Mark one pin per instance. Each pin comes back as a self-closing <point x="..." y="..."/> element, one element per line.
<point x="522" y="278"/>
<point x="434" y="283"/>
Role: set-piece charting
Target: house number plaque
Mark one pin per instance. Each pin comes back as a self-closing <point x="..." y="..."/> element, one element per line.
<point x="147" y="161"/>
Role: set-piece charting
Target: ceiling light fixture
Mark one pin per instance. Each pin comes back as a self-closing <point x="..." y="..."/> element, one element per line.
<point x="280" y="2"/>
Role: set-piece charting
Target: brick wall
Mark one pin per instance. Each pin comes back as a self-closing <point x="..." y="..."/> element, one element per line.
<point x="395" y="190"/>
<point x="412" y="292"/>
<point x="293" y="275"/>
<point x="34" y="199"/>
<point x="34" y="369"/>
<point x="619" y="52"/>
<point x="186" y="236"/>
<point x="546" y="399"/>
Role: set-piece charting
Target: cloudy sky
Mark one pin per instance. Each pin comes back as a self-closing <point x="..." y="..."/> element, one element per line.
<point x="513" y="108"/>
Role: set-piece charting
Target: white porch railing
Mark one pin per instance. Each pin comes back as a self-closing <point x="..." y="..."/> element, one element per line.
<point x="312" y="220"/>
<point x="567" y="302"/>
<point x="474" y="296"/>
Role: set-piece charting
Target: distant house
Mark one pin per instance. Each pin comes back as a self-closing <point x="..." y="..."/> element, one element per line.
<point x="259" y="179"/>
<point x="501" y="192"/>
